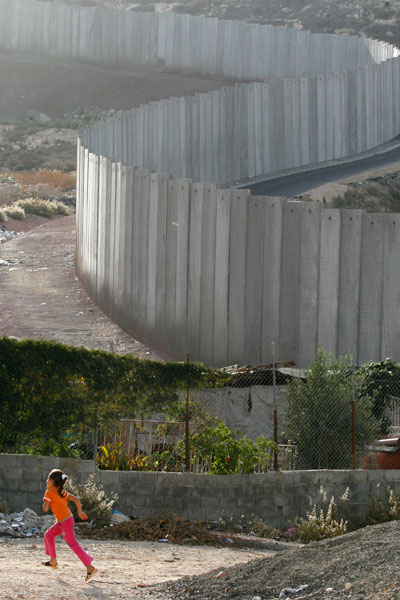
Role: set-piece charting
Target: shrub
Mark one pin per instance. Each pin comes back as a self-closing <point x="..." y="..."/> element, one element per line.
<point x="44" y="208"/>
<point x="223" y="452"/>
<point x="319" y="414"/>
<point x="64" y="181"/>
<point x="381" y="379"/>
<point x="47" y="383"/>
<point x="381" y="510"/>
<point x="95" y="503"/>
<point x="321" y="525"/>
<point x="15" y="212"/>
<point x="3" y="216"/>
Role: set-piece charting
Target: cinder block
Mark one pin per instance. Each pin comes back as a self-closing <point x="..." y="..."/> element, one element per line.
<point x="8" y="461"/>
<point x="86" y="467"/>
<point x="376" y="476"/>
<point x="109" y="478"/>
<point x="14" y="473"/>
<point x="29" y="485"/>
<point x="30" y="475"/>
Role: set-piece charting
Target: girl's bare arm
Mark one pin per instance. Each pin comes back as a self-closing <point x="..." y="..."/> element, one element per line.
<point x="46" y="505"/>
<point x="76" y="500"/>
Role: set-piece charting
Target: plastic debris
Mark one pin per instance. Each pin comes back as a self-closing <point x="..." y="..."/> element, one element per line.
<point x="118" y="517"/>
<point x="288" y="590"/>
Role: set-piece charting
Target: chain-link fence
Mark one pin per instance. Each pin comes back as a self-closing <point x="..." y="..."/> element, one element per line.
<point x="334" y="416"/>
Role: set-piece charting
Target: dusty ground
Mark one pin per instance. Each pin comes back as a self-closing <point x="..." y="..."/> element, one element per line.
<point x="125" y="569"/>
<point x="364" y="561"/>
<point x="41" y="297"/>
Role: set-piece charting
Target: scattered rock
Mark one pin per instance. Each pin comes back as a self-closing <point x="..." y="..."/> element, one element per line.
<point x="348" y="586"/>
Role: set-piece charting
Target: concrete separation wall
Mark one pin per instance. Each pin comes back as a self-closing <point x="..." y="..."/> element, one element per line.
<point x="278" y="498"/>
<point x="257" y="128"/>
<point x="223" y="275"/>
<point x="231" y="48"/>
<point x="175" y="259"/>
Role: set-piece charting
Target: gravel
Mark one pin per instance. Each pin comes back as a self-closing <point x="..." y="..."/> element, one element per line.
<point x="362" y="565"/>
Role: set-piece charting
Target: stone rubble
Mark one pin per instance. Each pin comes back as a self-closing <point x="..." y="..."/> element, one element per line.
<point x="24" y="524"/>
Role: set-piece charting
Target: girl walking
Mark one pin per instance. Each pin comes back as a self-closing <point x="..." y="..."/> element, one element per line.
<point x="57" y="499"/>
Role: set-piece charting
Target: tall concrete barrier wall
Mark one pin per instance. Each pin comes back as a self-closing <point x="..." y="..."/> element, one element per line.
<point x="231" y="48"/>
<point x="172" y="256"/>
<point x="222" y="274"/>
<point x="277" y="498"/>
<point x="257" y="128"/>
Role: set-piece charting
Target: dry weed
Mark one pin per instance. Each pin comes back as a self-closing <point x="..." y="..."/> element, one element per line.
<point x="44" y="208"/>
<point x="15" y="212"/>
<point x="59" y="179"/>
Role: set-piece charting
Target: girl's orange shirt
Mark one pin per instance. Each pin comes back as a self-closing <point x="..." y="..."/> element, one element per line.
<point x="58" y="505"/>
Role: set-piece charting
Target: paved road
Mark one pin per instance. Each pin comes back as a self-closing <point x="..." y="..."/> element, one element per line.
<point x="297" y="183"/>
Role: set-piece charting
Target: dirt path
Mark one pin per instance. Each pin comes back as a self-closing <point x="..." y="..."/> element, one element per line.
<point x="41" y="297"/>
<point x="125" y="569"/>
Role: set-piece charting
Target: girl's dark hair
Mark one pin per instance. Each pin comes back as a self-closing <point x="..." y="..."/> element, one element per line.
<point x="59" y="478"/>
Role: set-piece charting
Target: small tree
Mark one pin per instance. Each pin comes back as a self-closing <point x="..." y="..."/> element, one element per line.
<point x="319" y="414"/>
<point x="381" y="380"/>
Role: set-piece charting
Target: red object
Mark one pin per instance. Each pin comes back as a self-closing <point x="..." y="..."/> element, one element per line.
<point x="227" y="458"/>
<point x="384" y="455"/>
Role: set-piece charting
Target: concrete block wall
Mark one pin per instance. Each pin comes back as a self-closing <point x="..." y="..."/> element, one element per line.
<point x="223" y="275"/>
<point x="278" y="498"/>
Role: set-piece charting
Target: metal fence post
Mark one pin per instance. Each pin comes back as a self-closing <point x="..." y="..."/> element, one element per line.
<point x="353" y="419"/>
<point x="275" y="408"/>
<point x="187" y="432"/>
<point x="95" y="442"/>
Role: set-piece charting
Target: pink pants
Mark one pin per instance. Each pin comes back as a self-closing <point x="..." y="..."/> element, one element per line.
<point x="66" y="529"/>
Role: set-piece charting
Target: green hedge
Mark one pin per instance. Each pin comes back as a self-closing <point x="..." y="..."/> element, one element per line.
<point x="48" y="389"/>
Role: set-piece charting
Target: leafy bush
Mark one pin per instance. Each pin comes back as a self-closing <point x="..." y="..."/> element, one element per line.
<point x="44" y="208"/>
<point x="380" y="380"/>
<point x="222" y="452"/>
<point x="55" y="388"/>
<point x="319" y="414"/>
<point x="15" y="212"/>
<point x="95" y="503"/>
<point x="3" y="216"/>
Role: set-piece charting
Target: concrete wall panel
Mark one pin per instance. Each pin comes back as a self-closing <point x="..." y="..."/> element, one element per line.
<point x="271" y="277"/>
<point x="207" y="276"/>
<point x="329" y="273"/>
<point x="254" y="283"/>
<point x="221" y="285"/>
<point x="310" y="248"/>
<point x="237" y="274"/>
<point x="371" y="280"/>
<point x="390" y="345"/>
<point x="349" y="293"/>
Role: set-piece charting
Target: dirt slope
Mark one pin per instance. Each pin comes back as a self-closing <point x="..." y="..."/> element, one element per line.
<point x="366" y="559"/>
